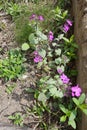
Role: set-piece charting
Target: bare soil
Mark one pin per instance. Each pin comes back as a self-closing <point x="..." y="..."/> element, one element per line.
<point x="19" y="99"/>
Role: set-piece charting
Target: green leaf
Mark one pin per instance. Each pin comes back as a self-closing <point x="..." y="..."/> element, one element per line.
<point x="54" y="44"/>
<point x="76" y="101"/>
<point x="50" y="54"/>
<point x="25" y="46"/>
<point x="11" y="117"/>
<point x="63" y="118"/>
<point x="42" y="53"/>
<point x="65" y="13"/>
<point x="32" y="38"/>
<point x="66" y="39"/>
<point x="61" y="68"/>
<point x="42" y="97"/>
<point x="60" y="36"/>
<point x="72" y="123"/>
<point x="85" y="111"/>
<point x="30" y="90"/>
<point x="53" y="90"/>
<point x="39" y="64"/>
<point x="63" y="109"/>
<point x="58" y="94"/>
<point x="72" y="115"/>
<point x="72" y="38"/>
<point x="41" y="35"/>
<point x="51" y="81"/>
<point x="82" y="98"/>
<point x="60" y="82"/>
<point x="58" y="52"/>
<point x="58" y="60"/>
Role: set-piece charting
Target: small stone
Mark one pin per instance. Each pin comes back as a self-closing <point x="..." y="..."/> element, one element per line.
<point x="24" y="101"/>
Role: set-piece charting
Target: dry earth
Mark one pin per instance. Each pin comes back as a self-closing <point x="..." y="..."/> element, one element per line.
<point x="19" y="99"/>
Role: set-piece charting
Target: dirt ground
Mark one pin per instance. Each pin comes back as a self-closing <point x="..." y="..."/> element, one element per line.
<point x="19" y="99"/>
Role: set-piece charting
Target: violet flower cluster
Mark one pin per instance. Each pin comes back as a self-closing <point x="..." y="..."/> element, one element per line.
<point x="50" y="36"/>
<point x="67" y="25"/>
<point x="64" y="78"/>
<point x="36" y="17"/>
<point x="74" y="90"/>
<point x="37" y="57"/>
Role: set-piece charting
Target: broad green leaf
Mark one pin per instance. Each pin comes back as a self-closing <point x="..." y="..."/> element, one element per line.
<point x="82" y="98"/>
<point x="58" y="52"/>
<point x="53" y="91"/>
<point x="58" y="94"/>
<point x="66" y="39"/>
<point x="41" y="35"/>
<point x="72" y="115"/>
<point x="39" y="64"/>
<point x="62" y="107"/>
<point x="58" y="60"/>
<point x="33" y="39"/>
<point x="65" y="13"/>
<point x="25" y="46"/>
<point x="54" y="44"/>
<point x="72" y="38"/>
<point x="42" y="53"/>
<point x="76" y="101"/>
<point x="85" y="111"/>
<point x="50" y="54"/>
<point x="72" y="123"/>
<point x="60" y="36"/>
<point x="60" y="82"/>
<point x="50" y="86"/>
<point x="63" y="118"/>
<point x="51" y="81"/>
<point x="42" y="97"/>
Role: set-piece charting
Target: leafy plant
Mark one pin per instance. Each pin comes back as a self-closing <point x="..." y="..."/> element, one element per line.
<point x="70" y="47"/>
<point x="56" y="98"/>
<point x="12" y="67"/>
<point x="24" y="25"/>
<point x="17" y="119"/>
<point x="54" y="88"/>
<point x="14" y="9"/>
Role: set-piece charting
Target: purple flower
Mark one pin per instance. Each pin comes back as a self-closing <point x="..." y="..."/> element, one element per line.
<point x="35" y="53"/>
<point x="33" y="16"/>
<point x="40" y="17"/>
<point x="59" y="71"/>
<point x="66" y="27"/>
<point x="37" y="57"/>
<point x="64" y="78"/>
<point x="50" y="36"/>
<point x="76" y="91"/>
<point x="69" y="22"/>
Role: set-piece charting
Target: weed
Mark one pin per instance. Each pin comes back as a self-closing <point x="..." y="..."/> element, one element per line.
<point x="17" y="119"/>
<point x="12" y="67"/>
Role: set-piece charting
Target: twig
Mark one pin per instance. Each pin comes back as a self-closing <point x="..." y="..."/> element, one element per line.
<point x="36" y="126"/>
